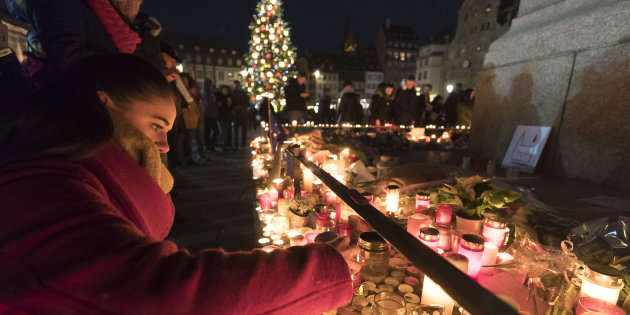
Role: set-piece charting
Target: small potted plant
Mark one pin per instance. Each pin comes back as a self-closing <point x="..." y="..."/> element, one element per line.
<point x="299" y="209"/>
<point x="473" y="196"/>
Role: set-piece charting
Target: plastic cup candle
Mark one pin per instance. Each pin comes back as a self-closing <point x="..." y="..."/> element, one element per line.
<point x="265" y="201"/>
<point x="283" y="207"/>
<point x="445" y="242"/>
<point x="604" y="283"/>
<point x="393" y="196"/>
<point x="443" y="214"/>
<point x="472" y="247"/>
<point x="309" y="177"/>
<point x="433" y="294"/>
<point x="430" y="237"/>
<point x="417" y="221"/>
<point x="280" y="224"/>
<point x="422" y="201"/>
<point x="273" y="195"/>
<point x="494" y="231"/>
<point x="489" y="257"/>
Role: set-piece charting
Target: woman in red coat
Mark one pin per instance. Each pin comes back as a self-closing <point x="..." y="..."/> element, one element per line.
<point x="84" y="209"/>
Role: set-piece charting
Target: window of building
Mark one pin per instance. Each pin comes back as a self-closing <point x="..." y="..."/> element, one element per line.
<point x="239" y="62"/>
<point x="233" y="52"/>
<point x="402" y="56"/>
<point x="181" y="46"/>
<point x="396" y="55"/>
<point x="396" y="44"/>
<point x="220" y="61"/>
<point x="223" y="51"/>
<point x="199" y="74"/>
<point x="425" y="74"/>
<point x="208" y="60"/>
<point x="488" y="8"/>
<point x="189" y="57"/>
<point x="196" y="48"/>
<point x="229" y="61"/>
<point x="211" y="50"/>
<point x="221" y="75"/>
<point x="198" y="58"/>
<point x="230" y="75"/>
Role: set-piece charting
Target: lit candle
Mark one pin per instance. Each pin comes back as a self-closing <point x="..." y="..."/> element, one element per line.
<point x="283" y="206"/>
<point x="417" y="221"/>
<point x="310" y="237"/>
<point x="494" y="231"/>
<point x="338" y="211"/>
<point x="345" y="229"/>
<point x="430" y="237"/>
<point x="309" y="177"/>
<point x="265" y="201"/>
<point x="445" y="237"/>
<point x="317" y="187"/>
<point x="273" y="194"/>
<point x="344" y="156"/>
<point x="489" y="257"/>
<point x="280" y="224"/>
<point x="604" y="283"/>
<point x="393" y="195"/>
<point x="422" y="201"/>
<point x="433" y="294"/>
<point x="294" y="123"/>
<point x="472" y="246"/>
<point x="443" y="214"/>
<point x="264" y="241"/>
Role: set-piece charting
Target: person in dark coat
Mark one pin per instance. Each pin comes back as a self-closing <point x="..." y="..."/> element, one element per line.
<point x="380" y="107"/>
<point x="296" y="96"/>
<point x="406" y="103"/>
<point x="323" y="111"/>
<point x="350" y="109"/>
<point x="225" y="117"/>
<point x="424" y="105"/>
<point x="240" y="103"/>
<point x="263" y="111"/>
<point x="450" y="105"/>
<point x="210" y="113"/>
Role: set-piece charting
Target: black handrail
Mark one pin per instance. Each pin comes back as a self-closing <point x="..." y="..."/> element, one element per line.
<point x="468" y="293"/>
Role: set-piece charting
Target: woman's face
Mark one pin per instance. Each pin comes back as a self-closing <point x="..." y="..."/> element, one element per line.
<point x="225" y="91"/>
<point x="154" y="117"/>
<point x="389" y="90"/>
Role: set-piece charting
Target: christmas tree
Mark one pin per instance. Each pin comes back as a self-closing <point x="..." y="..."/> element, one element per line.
<point x="271" y="54"/>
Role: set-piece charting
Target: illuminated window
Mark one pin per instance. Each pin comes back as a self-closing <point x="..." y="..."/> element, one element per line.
<point x="211" y="50"/>
<point x="196" y="48"/>
<point x="488" y="8"/>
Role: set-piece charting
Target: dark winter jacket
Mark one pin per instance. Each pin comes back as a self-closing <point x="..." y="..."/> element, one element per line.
<point x="450" y="107"/>
<point x="405" y="106"/>
<point x="421" y="113"/>
<point x="380" y="107"/>
<point x="292" y="94"/>
<point x="323" y="112"/>
<point x="225" y="107"/>
<point x="350" y="109"/>
<point x="240" y="103"/>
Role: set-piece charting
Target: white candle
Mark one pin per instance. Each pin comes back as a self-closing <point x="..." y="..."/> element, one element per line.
<point x="432" y="293"/>
<point x="345" y="156"/>
<point x="308" y="180"/>
<point x="294" y="123"/>
<point x="283" y="207"/>
<point x="489" y="257"/>
<point x="393" y="195"/>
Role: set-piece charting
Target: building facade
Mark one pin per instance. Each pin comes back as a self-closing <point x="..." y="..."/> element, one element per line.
<point x="479" y="24"/>
<point x="431" y="67"/>
<point x="218" y="61"/>
<point x="16" y="35"/>
<point x="397" y="51"/>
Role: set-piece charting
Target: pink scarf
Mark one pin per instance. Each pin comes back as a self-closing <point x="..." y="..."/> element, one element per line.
<point x="121" y="34"/>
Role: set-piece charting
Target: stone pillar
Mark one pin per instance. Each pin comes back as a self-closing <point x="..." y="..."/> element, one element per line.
<point x="565" y="64"/>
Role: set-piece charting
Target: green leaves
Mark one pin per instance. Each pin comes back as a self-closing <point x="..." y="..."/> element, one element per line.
<point x="475" y="195"/>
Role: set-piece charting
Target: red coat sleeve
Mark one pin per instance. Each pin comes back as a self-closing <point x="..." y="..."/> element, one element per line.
<point x="67" y="249"/>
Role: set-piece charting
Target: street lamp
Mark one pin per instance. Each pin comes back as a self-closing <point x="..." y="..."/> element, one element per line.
<point x="449" y="88"/>
<point x="316" y="74"/>
<point x="180" y="67"/>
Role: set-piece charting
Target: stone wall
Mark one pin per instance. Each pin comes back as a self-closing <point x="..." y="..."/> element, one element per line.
<point x="565" y="64"/>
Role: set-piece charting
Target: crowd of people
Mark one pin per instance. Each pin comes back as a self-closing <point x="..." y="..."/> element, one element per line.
<point x="87" y="130"/>
<point x="402" y="106"/>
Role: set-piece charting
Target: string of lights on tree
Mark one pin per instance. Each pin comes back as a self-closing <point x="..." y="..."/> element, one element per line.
<point x="271" y="54"/>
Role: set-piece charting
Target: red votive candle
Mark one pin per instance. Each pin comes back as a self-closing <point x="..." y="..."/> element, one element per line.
<point x="494" y="231"/>
<point x="417" y="221"/>
<point x="430" y="237"/>
<point x="445" y="242"/>
<point x="310" y="237"/>
<point x="330" y="199"/>
<point x="472" y="246"/>
<point x="265" y="201"/>
<point x="273" y="194"/>
<point x="443" y="214"/>
<point x="422" y="201"/>
<point x="338" y="211"/>
<point x="345" y="229"/>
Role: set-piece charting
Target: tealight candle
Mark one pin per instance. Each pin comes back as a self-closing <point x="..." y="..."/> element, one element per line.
<point x="264" y="241"/>
<point x="278" y="242"/>
<point x="445" y="242"/>
<point x="430" y="237"/>
<point x="417" y="221"/>
<point x="309" y="177"/>
<point x="265" y="201"/>
<point x="494" y="231"/>
<point x="393" y="196"/>
<point x="422" y="201"/>
<point x="489" y="257"/>
<point x="273" y="195"/>
<point x="443" y="214"/>
<point x="472" y="247"/>
<point x="280" y="224"/>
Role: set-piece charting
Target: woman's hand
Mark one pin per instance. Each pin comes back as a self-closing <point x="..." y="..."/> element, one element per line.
<point x="342" y="245"/>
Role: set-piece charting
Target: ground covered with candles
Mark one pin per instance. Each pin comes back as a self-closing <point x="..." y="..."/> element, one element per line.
<point x="532" y="254"/>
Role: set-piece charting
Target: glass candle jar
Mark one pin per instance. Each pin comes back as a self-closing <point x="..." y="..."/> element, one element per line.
<point x="417" y="221"/>
<point x="445" y="242"/>
<point x="430" y="237"/>
<point x="345" y="229"/>
<point x="393" y="196"/>
<point x="324" y="223"/>
<point x="280" y="224"/>
<point x="265" y="201"/>
<point x="472" y="247"/>
<point x="443" y="214"/>
<point x="422" y="201"/>
<point x="494" y="230"/>
<point x="604" y="283"/>
<point x="375" y="257"/>
<point x="389" y="303"/>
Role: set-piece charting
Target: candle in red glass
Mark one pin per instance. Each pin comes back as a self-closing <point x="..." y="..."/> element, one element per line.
<point x="445" y="242"/>
<point x="345" y="229"/>
<point x="589" y="304"/>
<point x="273" y="194"/>
<point x="338" y="211"/>
<point x="472" y="247"/>
<point x="310" y="237"/>
<point x="265" y="201"/>
<point x="443" y="214"/>
<point x="330" y="198"/>
<point x="422" y="201"/>
<point x="430" y="237"/>
<point x="417" y="221"/>
<point x="324" y="222"/>
<point x="494" y="231"/>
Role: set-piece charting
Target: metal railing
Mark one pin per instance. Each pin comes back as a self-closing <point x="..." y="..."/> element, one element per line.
<point x="467" y="292"/>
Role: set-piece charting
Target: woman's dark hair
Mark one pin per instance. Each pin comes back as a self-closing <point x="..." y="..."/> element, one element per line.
<point x="67" y="120"/>
<point x="189" y="78"/>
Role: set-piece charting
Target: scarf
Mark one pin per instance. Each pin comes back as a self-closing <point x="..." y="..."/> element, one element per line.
<point x="124" y="38"/>
<point x="142" y="150"/>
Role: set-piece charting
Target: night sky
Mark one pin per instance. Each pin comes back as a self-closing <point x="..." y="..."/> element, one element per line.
<point x="316" y="25"/>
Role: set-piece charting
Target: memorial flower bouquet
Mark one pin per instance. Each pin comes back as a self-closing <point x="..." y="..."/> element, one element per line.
<point x="475" y="195"/>
<point x="299" y="209"/>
